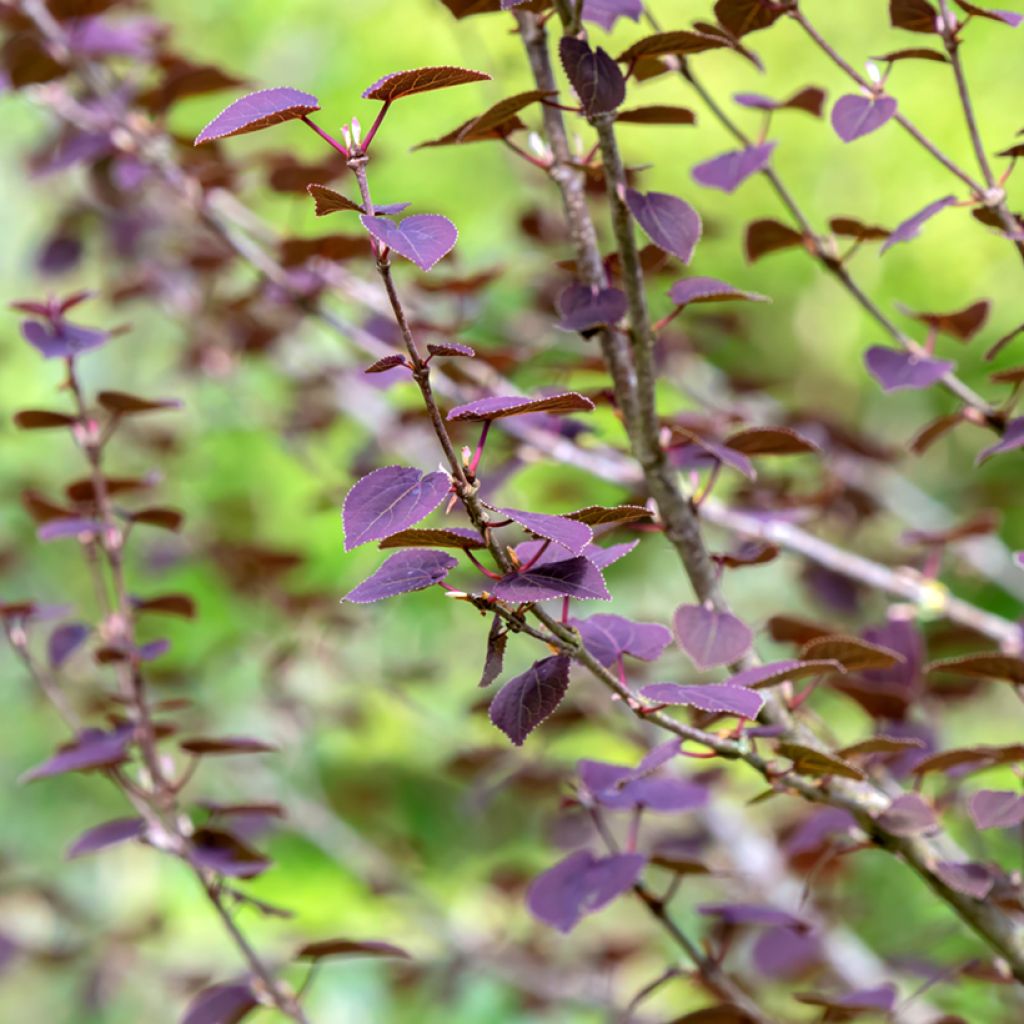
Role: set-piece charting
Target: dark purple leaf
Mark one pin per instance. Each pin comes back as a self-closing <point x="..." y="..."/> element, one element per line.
<point x="64" y="641"/>
<point x="386" y="363"/>
<point x="90" y="750"/>
<point x="400" y="84"/>
<point x="450" y="348"/>
<point x="594" y="76"/>
<point x="711" y="637"/>
<point x="61" y="339"/>
<point x="579" y="885"/>
<point x="671" y="224"/>
<point x="606" y="12"/>
<point x="742" y="16"/>
<point x="119" y="830"/>
<point x="494" y="660"/>
<point x="696" y="452"/>
<point x="525" y="701"/>
<point x="709" y="289"/>
<point x="207" y="746"/>
<point x="423" y="238"/>
<point x="568" y="533"/>
<point x="855" y="116"/>
<point x="751" y="914"/>
<point x="402" y="573"/>
<point x="259" y="110"/>
<point x="328" y="948"/>
<point x="389" y="500"/>
<point x="728" y="171"/>
<point x="719" y="698"/>
<point x="42" y="419"/>
<point x="221" y="1004"/>
<point x="499" y="406"/>
<point x="1012" y="439"/>
<point x="900" y="371"/>
<point x="911" y="227"/>
<point x="608" y="637"/>
<point x="573" y="577"/>
<point x="621" y="788"/>
<point x="583" y="308"/>
<point x="617" y="515"/>
<point x="657" y="113"/>
<point x="59" y="529"/>
<point x="459" y="537"/>
<point x="991" y="808"/>
<point x="226" y="854"/>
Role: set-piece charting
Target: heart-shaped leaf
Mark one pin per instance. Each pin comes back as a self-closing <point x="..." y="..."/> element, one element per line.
<point x="259" y="110"/>
<point x="573" y="577"/>
<point x="657" y="113"/>
<point x="525" y="701"/>
<point x="742" y="16"/>
<point x="711" y="637"/>
<point x="583" y="308"/>
<point x="609" y="637"/>
<point x="403" y="573"/>
<point x="388" y="500"/>
<point x="423" y="238"/>
<point x="903" y="371"/>
<point x="458" y="537"/>
<point x="567" y="533"/>
<point x="728" y="171"/>
<point x="765" y="236"/>
<point x="856" y="116"/>
<point x="671" y="224"/>
<point x="579" y="885"/>
<point x="60" y="339"/>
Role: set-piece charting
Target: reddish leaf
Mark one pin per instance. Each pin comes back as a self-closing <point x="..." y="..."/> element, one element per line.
<point x="853" y="653"/>
<point x="600" y="515"/>
<point x="328" y="948"/>
<point x="665" y="44"/>
<point x="400" y="84"/>
<point x="221" y="1004"/>
<point x="656" y="114"/>
<point x="783" y="671"/>
<point x="743" y="16"/>
<point x="164" y="518"/>
<point x="765" y="236"/>
<point x="981" y="666"/>
<point x="123" y="404"/>
<point x="168" y="604"/>
<point x="771" y="441"/>
<point x="1006" y="17"/>
<point x="259" y="110"/>
<point x="42" y="419"/>
<point x="453" y="537"/>
<point x="497" y="407"/>
<point x="206" y="746"/>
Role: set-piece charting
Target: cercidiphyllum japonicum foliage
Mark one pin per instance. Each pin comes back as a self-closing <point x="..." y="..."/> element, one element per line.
<point x="542" y="544"/>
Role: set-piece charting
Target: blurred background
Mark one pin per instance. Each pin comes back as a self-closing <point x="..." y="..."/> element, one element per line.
<point x="410" y="819"/>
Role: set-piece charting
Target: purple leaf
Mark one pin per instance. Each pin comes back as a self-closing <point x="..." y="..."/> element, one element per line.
<point x="974" y="880"/>
<point x="60" y="339"/>
<point x="608" y="637"/>
<point x="350" y="947"/>
<point x="579" y="885"/>
<point x="606" y="12"/>
<point x="621" y="788"/>
<point x="583" y="308"/>
<point x="728" y="171"/>
<point x="911" y="227"/>
<point x="908" y="815"/>
<point x="64" y="641"/>
<point x="709" y="289"/>
<point x="671" y="224"/>
<point x="91" y="749"/>
<point x="1006" y="17"/>
<point x="854" y="116"/>
<point x="595" y="77"/>
<point x="752" y="914"/>
<point x="525" y="701"/>
<point x="711" y="637"/>
<point x="785" y="953"/>
<point x="259" y="110"/>
<point x="603" y="557"/>
<point x="119" y="830"/>
<point x="408" y="83"/>
<point x="902" y="371"/>
<point x="694" y="455"/>
<point x="574" y="577"/>
<point x="389" y="500"/>
<point x="1012" y="439"/>
<point x="402" y="573"/>
<point x="423" y="238"/>
<point x="810" y="100"/>
<point x="494" y="660"/>
<point x="719" y="698"/>
<point x="498" y="406"/>
<point x="991" y="808"/>
<point x="220" y="1004"/>
<point x="567" y="533"/>
<point x="598" y="556"/>
<point x="881" y="998"/>
<point x="58" y="529"/>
